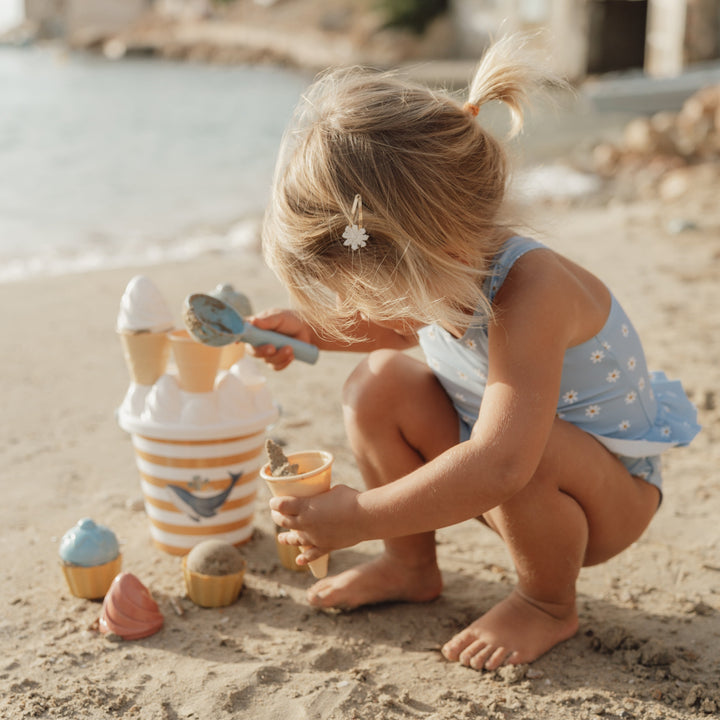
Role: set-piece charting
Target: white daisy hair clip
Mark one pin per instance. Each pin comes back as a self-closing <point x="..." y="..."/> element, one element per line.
<point x="355" y="234"/>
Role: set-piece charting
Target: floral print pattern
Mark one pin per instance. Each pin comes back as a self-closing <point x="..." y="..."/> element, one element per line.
<point x="606" y="388"/>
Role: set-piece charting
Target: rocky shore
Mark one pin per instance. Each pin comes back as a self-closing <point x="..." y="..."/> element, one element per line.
<point x="310" y="34"/>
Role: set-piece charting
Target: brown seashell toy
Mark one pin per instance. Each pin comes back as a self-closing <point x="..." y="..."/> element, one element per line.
<point x="129" y="610"/>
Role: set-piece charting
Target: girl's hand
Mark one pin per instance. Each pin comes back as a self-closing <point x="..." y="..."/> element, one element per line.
<point x="285" y="322"/>
<point x="324" y="522"/>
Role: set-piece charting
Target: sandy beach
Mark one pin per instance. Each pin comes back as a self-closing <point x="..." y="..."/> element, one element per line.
<point x="649" y="638"/>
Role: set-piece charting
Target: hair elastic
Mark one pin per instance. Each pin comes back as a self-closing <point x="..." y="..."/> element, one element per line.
<point x="355" y="235"/>
<point x="471" y="108"/>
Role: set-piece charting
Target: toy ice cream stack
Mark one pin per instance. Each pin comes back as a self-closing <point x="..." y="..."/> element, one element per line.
<point x="301" y="474"/>
<point x="198" y="429"/>
<point x="90" y="559"/>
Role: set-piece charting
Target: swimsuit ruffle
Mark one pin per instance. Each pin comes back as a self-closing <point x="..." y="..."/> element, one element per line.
<point x="675" y="423"/>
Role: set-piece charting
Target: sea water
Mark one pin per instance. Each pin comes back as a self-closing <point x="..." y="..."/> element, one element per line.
<point x="118" y="163"/>
<point x="111" y="163"/>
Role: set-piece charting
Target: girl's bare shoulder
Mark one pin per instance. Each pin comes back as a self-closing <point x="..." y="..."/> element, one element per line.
<point x="545" y="282"/>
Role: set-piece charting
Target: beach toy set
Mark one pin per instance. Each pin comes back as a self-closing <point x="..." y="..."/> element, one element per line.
<point x="216" y="323"/>
<point x="198" y="412"/>
<point x="197" y="415"/>
<point x="91" y="562"/>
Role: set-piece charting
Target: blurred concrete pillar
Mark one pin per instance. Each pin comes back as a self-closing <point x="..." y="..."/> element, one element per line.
<point x="568" y="25"/>
<point x="665" y="38"/>
<point x="475" y="23"/>
<point x="562" y="27"/>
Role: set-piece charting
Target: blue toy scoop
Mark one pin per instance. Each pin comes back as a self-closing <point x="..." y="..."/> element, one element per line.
<point x="213" y="322"/>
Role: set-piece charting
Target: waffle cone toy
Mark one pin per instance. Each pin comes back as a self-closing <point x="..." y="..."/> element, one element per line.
<point x="197" y="364"/>
<point x="146" y="355"/>
<point x="311" y="476"/>
<point x="142" y="323"/>
<point x="231" y="354"/>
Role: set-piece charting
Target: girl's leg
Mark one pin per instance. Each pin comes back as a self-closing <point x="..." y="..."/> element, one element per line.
<point x="580" y="508"/>
<point x="397" y="417"/>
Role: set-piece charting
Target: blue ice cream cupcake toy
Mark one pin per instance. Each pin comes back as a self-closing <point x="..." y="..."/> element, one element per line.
<point x="90" y="559"/>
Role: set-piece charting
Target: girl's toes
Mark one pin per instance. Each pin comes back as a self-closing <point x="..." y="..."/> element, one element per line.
<point x="480" y="658"/>
<point x="467" y="656"/>
<point x="451" y="650"/>
<point x="498" y="658"/>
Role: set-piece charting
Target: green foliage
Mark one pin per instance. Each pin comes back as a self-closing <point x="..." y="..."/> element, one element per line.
<point x="413" y="15"/>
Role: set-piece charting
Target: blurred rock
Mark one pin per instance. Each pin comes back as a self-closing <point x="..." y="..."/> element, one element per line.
<point x="641" y="136"/>
<point x="661" y="155"/>
<point x="606" y="158"/>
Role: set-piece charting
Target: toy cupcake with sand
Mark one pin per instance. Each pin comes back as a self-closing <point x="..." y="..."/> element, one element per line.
<point x="214" y="572"/>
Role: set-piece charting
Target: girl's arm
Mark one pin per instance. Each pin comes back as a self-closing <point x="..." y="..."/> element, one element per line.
<point x="538" y="316"/>
<point x="369" y="336"/>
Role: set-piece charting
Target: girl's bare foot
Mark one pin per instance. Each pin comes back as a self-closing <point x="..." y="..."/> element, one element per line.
<point x="517" y="630"/>
<point x="382" y="580"/>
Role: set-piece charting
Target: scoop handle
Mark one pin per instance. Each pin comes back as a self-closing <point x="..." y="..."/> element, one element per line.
<point x="303" y="351"/>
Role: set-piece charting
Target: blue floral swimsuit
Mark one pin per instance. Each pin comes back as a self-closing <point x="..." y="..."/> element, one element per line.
<point x="606" y="389"/>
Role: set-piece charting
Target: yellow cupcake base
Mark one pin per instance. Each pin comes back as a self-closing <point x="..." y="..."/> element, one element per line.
<point x="212" y="590"/>
<point x="91" y="583"/>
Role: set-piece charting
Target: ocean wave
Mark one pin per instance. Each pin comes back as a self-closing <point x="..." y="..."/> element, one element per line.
<point x="243" y="235"/>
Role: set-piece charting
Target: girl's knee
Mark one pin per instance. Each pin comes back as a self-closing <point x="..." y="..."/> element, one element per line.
<point x="372" y="381"/>
<point x="391" y="390"/>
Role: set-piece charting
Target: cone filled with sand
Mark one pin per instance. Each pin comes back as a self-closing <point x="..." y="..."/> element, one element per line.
<point x="197" y="364"/>
<point x="311" y="477"/>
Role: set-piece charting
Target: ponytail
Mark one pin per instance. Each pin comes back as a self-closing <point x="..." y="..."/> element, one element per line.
<point x="508" y="72"/>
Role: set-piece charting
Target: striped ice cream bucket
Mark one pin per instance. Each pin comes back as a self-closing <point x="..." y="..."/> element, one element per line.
<point x="195" y="490"/>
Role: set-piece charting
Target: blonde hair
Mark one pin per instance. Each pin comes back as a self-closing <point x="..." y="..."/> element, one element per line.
<point x="432" y="183"/>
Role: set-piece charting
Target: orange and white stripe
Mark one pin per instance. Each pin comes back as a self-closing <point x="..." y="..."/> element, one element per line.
<point x="201" y="467"/>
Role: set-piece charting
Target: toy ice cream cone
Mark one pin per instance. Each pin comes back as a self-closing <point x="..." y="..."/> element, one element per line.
<point x="312" y="478"/>
<point x="197" y="364"/>
<point x="231" y="354"/>
<point x="146" y="355"/>
<point x="143" y="322"/>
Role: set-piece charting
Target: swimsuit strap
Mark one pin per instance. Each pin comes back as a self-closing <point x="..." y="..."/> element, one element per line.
<point x="513" y="249"/>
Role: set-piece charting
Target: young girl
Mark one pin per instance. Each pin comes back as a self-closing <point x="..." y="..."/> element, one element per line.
<point x="535" y="412"/>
